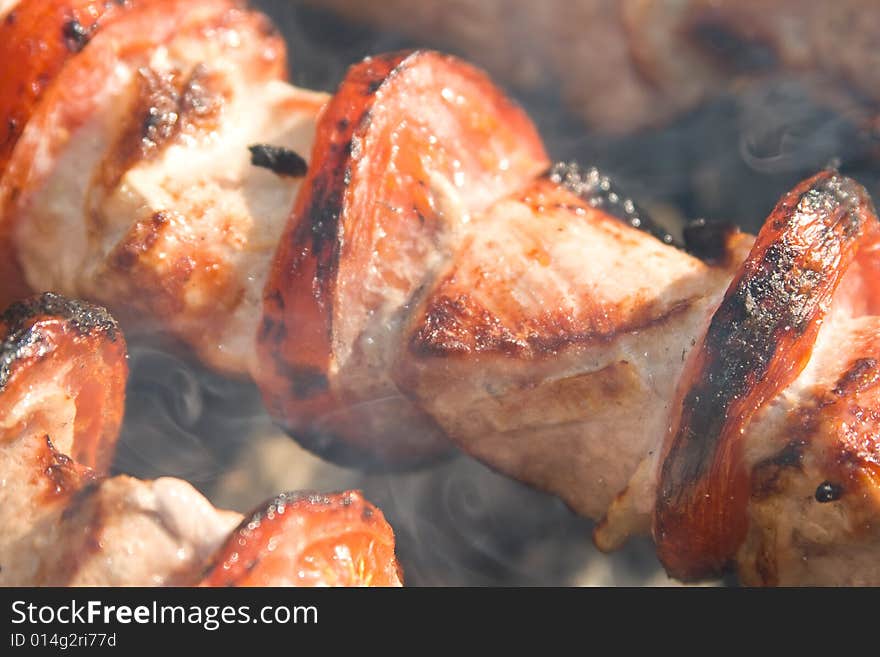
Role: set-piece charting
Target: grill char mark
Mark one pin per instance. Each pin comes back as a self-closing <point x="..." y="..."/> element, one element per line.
<point x="459" y="326"/>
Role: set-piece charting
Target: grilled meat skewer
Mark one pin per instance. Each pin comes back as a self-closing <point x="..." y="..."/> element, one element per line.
<point x="62" y="386"/>
<point x="435" y="280"/>
<point x="126" y="174"/>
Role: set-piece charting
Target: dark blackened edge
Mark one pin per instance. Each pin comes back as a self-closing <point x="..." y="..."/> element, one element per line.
<point x="317" y="232"/>
<point x="708" y="240"/>
<point x="328" y="187"/>
<point x="165" y="106"/>
<point x="76" y="35"/>
<point x="317" y="235"/>
<point x="65" y="476"/>
<point x="860" y="375"/>
<point x="305" y="382"/>
<point x="83" y="316"/>
<point x="278" y="159"/>
<point x="827" y="492"/>
<point x="600" y="192"/>
<point x="23" y="334"/>
<point x="766" y="474"/>
<point x="745" y="331"/>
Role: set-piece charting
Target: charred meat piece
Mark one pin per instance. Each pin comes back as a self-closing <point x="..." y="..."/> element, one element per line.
<point x="550" y="344"/>
<point x="62" y="386"/>
<point x="411" y="147"/>
<point x="814" y="459"/>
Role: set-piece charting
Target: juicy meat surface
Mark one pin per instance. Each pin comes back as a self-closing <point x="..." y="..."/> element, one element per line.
<point x="814" y="455"/>
<point x="550" y="344"/>
<point x="430" y="283"/>
<point x="759" y="340"/>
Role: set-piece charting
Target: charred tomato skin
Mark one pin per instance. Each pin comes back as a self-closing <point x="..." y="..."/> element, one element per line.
<point x="40" y="38"/>
<point x="759" y="339"/>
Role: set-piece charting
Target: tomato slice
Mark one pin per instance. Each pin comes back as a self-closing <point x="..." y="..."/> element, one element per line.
<point x="760" y="338"/>
<point x="409" y="148"/>
<point x="301" y="539"/>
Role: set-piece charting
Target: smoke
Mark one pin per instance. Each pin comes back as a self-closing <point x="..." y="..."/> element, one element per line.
<point x="783" y="130"/>
<point x="182" y="420"/>
<point x="464" y="525"/>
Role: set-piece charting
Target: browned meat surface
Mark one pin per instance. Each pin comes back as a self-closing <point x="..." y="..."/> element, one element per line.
<point x="643" y="387"/>
<point x="815" y="480"/>
<point x="635" y="63"/>
<point x="760" y="339"/>
<point x="551" y="343"/>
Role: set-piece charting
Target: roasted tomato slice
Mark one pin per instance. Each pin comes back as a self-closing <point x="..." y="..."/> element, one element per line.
<point x="302" y="539"/>
<point x="63" y="360"/>
<point x="410" y="147"/>
<point x="759" y="340"/>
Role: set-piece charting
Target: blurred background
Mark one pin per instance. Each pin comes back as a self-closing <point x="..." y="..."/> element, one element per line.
<point x="696" y="109"/>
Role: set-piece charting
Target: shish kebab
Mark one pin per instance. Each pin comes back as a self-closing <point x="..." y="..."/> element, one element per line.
<point x="62" y="387"/>
<point x="437" y="279"/>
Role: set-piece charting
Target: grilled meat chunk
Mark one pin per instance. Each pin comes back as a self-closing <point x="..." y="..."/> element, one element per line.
<point x="550" y="344"/>
<point x="433" y="281"/>
<point x="129" y="181"/>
